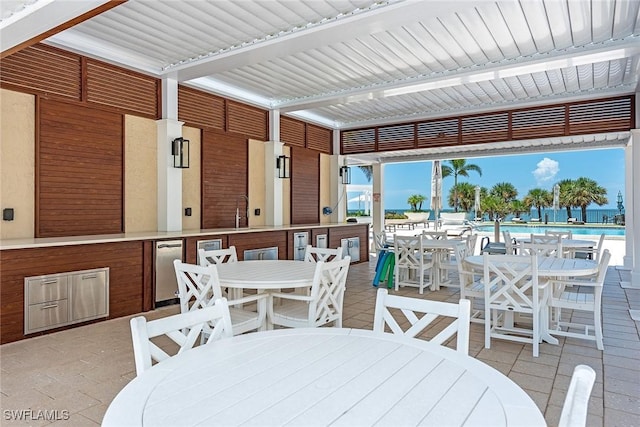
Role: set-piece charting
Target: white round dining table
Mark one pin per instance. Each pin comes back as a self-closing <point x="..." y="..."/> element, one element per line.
<point x="266" y="274"/>
<point x="567" y="243"/>
<point x="322" y="376"/>
<point x="547" y="266"/>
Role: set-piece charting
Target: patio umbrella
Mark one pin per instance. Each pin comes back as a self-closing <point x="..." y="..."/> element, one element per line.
<point x="436" y="190"/>
<point x="556" y="200"/>
<point x="476" y="204"/>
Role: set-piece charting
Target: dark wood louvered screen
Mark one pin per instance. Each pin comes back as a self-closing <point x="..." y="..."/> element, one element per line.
<point x="45" y="70"/>
<point x="246" y="120"/>
<point x="122" y="89"/>
<point x="305" y="186"/>
<point x="396" y="137"/>
<point x="485" y="128"/>
<point x="594" y="116"/>
<point x="200" y="109"/>
<point x="358" y="141"/>
<point x="319" y="138"/>
<point x="538" y="122"/>
<point x="79" y="171"/>
<point x="437" y="133"/>
<point x="292" y="132"/>
<point x="584" y="117"/>
<point x="224" y="178"/>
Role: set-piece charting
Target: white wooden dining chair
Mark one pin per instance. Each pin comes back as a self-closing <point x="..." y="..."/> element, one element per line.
<point x="471" y="285"/>
<point x="183" y="329"/>
<point x="199" y="287"/>
<point x="313" y="254"/>
<point x="509" y="243"/>
<point x="542" y="245"/>
<point x="511" y="287"/>
<point x="559" y="234"/>
<point x="393" y="311"/>
<point x="580" y="294"/>
<point x="435" y="235"/>
<point x="217" y="256"/>
<point x="593" y="252"/>
<point x="411" y="264"/>
<point x="576" y="403"/>
<point x="322" y="306"/>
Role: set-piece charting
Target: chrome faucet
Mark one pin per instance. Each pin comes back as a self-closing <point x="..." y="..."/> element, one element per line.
<point x="238" y="217"/>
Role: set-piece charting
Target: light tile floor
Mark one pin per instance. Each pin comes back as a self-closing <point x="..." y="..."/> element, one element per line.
<point x="74" y="374"/>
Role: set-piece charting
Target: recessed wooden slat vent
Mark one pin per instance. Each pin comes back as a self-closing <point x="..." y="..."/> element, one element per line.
<point x="224" y="179"/>
<point x="601" y="116"/>
<point x="79" y="171"/>
<point x="45" y="70"/>
<point x="305" y="186"/>
<point x="538" y="123"/>
<point x="247" y="120"/>
<point x="396" y="137"/>
<point x="438" y="132"/>
<point x="358" y="141"/>
<point x="200" y="109"/>
<point x="319" y="138"/>
<point x="485" y="128"/>
<point x="292" y="132"/>
<point x="122" y="89"/>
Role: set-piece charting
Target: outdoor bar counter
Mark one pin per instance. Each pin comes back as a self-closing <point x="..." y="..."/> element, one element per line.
<point x="130" y="259"/>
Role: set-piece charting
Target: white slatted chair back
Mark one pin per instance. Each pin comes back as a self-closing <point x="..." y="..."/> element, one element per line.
<point x="542" y="245"/>
<point x="576" y="402"/>
<point x="421" y="315"/>
<point x="435" y="235"/>
<point x="313" y="254"/>
<point x="594" y="252"/>
<point x="410" y="259"/>
<point x="199" y="287"/>
<point x="559" y="234"/>
<point x="509" y="244"/>
<point x="472" y="240"/>
<point x="217" y="256"/>
<point x="183" y="329"/>
<point x="380" y="240"/>
<point x="323" y="305"/>
<point x="511" y="286"/>
<point x="574" y="295"/>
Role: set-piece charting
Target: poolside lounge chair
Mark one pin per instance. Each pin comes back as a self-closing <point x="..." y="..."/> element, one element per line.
<point x="574" y="221"/>
<point x="518" y="220"/>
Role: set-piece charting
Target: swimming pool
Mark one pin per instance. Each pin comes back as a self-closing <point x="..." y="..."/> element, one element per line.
<point x="540" y="229"/>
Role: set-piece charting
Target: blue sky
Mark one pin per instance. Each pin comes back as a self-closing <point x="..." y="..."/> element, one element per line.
<point x="541" y="170"/>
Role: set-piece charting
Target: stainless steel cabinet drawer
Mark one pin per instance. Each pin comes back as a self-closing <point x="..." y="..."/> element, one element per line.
<point x="47" y="315"/>
<point x="47" y="288"/>
<point x="89" y="295"/>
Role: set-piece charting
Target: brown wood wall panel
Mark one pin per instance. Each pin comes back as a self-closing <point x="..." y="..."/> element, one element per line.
<point x="126" y="278"/>
<point x="319" y="138"/>
<point x="305" y="186"/>
<point x="45" y="70"/>
<point x="247" y="120"/>
<point x="292" y="132"/>
<point x="200" y="109"/>
<point x="122" y="89"/>
<point x="336" y="234"/>
<point x="265" y="239"/>
<point x="224" y="179"/>
<point x="79" y="176"/>
<point x="396" y="137"/>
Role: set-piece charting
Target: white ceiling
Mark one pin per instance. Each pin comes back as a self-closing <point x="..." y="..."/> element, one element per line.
<point x="355" y="63"/>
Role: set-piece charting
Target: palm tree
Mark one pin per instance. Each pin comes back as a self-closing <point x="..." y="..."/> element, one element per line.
<point x="458" y="167"/>
<point x="538" y="198"/>
<point x="367" y="170"/>
<point x="466" y="194"/>
<point x="415" y="201"/>
<point x="567" y="188"/>
<point x="517" y="207"/>
<point x="585" y="192"/>
<point x="494" y="206"/>
<point x="505" y="190"/>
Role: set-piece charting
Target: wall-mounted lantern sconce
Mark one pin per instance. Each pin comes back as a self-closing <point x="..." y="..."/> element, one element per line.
<point x="180" y="152"/>
<point x="283" y="163"/>
<point x="345" y="174"/>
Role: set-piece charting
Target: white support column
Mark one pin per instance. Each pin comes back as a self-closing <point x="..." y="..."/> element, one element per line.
<point x="169" y="178"/>
<point x="628" y="201"/>
<point x="378" y="197"/>
<point x="339" y="196"/>
<point x="273" y="184"/>
<point x="633" y="206"/>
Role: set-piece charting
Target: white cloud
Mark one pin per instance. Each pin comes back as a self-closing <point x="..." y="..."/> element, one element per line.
<point x="547" y="170"/>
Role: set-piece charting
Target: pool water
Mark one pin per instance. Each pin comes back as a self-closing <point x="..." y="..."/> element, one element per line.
<point x="540" y="229"/>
